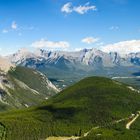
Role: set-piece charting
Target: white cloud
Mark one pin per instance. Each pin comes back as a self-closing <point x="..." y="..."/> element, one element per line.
<point x="84" y="9"/>
<point x="114" y="28"/>
<point x="43" y="43"/>
<point x="123" y="47"/>
<point x="90" y="40"/>
<point x="67" y="8"/>
<point x="14" y="25"/>
<point x="81" y="9"/>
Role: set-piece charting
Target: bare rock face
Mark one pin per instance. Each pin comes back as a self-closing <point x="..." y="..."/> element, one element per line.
<point x="5" y="64"/>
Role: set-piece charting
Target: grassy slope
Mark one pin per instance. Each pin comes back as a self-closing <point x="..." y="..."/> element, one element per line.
<point x="32" y="78"/>
<point x="20" y="95"/>
<point x="91" y="102"/>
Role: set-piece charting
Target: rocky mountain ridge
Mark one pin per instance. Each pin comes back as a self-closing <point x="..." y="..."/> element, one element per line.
<point x="88" y="57"/>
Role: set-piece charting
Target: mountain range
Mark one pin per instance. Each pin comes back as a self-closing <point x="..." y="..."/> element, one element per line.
<point x="65" y="68"/>
<point x="90" y="57"/>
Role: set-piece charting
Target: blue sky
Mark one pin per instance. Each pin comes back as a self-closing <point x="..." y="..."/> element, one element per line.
<point x="67" y="24"/>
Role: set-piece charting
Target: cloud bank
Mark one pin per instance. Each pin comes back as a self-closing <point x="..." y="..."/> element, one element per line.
<point x="44" y="43"/>
<point x="123" y="47"/>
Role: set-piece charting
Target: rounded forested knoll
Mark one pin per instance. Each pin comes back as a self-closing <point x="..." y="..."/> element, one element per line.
<point x="94" y="101"/>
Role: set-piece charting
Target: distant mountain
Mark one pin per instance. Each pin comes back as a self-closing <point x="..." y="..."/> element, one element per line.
<point x="22" y="87"/>
<point x="91" y="57"/>
<point x="94" y="108"/>
<point x="70" y="67"/>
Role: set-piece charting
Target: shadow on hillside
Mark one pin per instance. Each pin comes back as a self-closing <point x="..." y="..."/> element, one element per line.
<point x="60" y="113"/>
<point x="136" y="74"/>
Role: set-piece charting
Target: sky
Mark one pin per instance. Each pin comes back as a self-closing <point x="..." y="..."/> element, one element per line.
<point x="69" y="25"/>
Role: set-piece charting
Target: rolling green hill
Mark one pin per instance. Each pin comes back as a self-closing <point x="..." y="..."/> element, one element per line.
<point x="92" y="102"/>
<point x="24" y="87"/>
